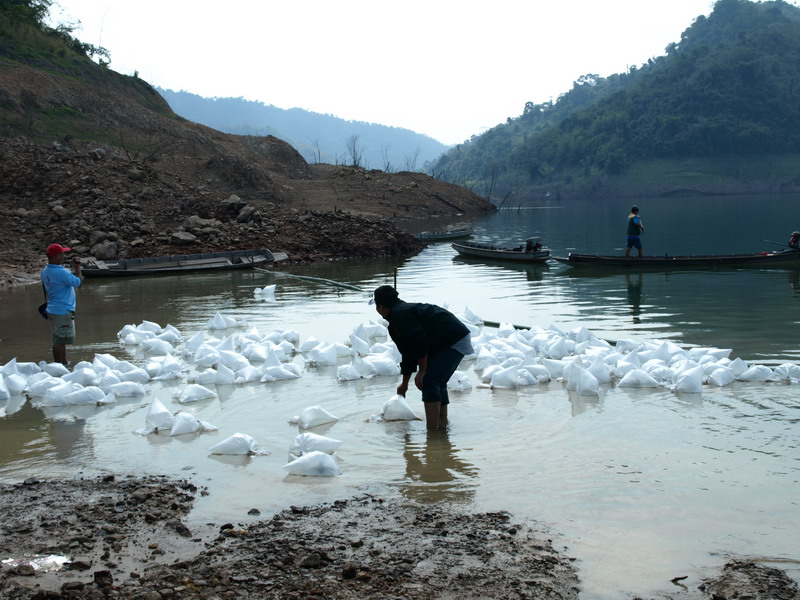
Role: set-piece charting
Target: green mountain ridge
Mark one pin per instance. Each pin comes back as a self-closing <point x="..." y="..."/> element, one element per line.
<point x="717" y="114"/>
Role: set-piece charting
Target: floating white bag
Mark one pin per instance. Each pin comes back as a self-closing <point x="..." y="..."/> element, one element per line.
<point x="88" y="395"/>
<point x="248" y="374"/>
<point x="314" y="464"/>
<point x="690" y="381"/>
<point x="787" y="372"/>
<point x="158" y="417"/>
<point x="195" y="392"/>
<point x="312" y="442"/>
<point x="396" y="408"/>
<point x="757" y="373"/>
<point x="221" y="322"/>
<point x="721" y="376"/>
<point x="505" y="378"/>
<point x="15" y="383"/>
<point x="377" y="364"/>
<point x="187" y="423"/>
<point x="237" y="444"/>
<point x="39" y="384"/>
<point x="127" y="389"/>
<point x="225" y="376"/>
<point x="637" y="378"/>
<point x="314" y="416"/>
<point x="587" y="384"/>
<point x="5" y="393"/>
<point x="55" y="369"/>
<point x="459" y="382"/>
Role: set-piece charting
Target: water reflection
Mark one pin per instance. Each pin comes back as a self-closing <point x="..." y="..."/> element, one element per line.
<point x="434" y="472"/>
<point x="794" y="282"/>
<point x="532" y="272"/>
<point x="635" y="295"/>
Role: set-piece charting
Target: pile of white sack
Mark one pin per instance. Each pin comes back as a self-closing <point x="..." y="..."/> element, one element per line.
<point x="231" y="352"/>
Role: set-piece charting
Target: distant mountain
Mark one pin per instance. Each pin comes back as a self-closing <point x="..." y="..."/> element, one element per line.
<point x="719" y="113"/>
<point x="319" y="138"/>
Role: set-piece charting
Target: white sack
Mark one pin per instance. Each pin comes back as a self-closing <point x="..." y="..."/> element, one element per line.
<point x="312" y="442"/>
<point x="314" y="464"/>
<point x="396" y="408"/>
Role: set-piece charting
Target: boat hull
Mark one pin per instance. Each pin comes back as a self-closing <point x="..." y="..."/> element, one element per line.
<point x="766" y="259"/>
<point x="436" y="236"/>
<point x="179" y="264"/>
<point x="507" y="254"/>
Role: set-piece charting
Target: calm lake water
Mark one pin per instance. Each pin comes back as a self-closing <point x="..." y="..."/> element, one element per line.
<point x="641" y="486"/>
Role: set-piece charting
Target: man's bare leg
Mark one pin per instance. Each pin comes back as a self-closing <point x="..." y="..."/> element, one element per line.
<point x="60" y="353"/>
<point x="433" y="412"/>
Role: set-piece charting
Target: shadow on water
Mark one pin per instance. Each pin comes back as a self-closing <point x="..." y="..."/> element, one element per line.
<point x="532" y="272"/>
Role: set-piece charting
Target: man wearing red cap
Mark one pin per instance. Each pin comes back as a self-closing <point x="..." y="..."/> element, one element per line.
<point x="59" y="287"/>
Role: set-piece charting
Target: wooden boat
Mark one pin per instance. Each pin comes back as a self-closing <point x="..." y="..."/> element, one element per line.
<point x="476" y="250"/>
<point x="183" y="263"/>
<point x="760" y="259"/>
<point x="450" y="234"/>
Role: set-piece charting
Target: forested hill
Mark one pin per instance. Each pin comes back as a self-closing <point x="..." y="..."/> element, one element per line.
<point x="718" y="113"/>
<point x="318" y="137"/>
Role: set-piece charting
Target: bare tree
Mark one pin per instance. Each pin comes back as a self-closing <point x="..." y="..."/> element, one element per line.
<point x="354" y="150"/>
<point x="387" y="165"/>
<point x="317" y="150"/>
<point x="411" y="160"/>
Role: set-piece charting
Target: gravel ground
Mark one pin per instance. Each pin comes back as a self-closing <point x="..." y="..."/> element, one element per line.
<point x="126" y="537"/>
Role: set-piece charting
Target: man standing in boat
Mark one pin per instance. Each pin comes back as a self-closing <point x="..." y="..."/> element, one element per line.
<point x="635" y="230"/>
<point x="429" y="338"/>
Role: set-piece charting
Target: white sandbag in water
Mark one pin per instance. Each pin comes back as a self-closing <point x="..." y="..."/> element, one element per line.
<point x="149" y="326"/>
<point x="55" y="369"/>
<point x="757" y="373"/>
<point x="265" y="293"/>
<point x="359" y="345"/>
<point x="470" y="317"/>
<point x="314" y="464"/>
<point x="485" y="359"/>
<point x="380" y="364"/>
<point x="157" y="347"/>
<point x="187" y="423"/>
<point x="9" y="368"/>
<point x="233" y="360"/>
<point x="55" y="395"/>
<point x="193" y="343"/>
<point x="127" y="389"/>
<point x="347" y="373"/>
<point x="721" y="376"/>
<point x="323" y="355"/>
<point x="314" y="416"/>
<point x="505" y="378"/>
<point x="396" y="408"/>
<point x="158" y="417"/>
<point x="309" y="344"/>
<point x="218" y="321"/>
<point x="587" y="384"/>
<point x="255" y="352"/>
<point x="738" y="366"/>
<point x="249" y="374"/>
<point x="599" y="368"/>
<point x="554" y="367"/>
<point x="5" y="393"/>
<point x="690" y="381"/>
<point x="787" y="372"/>
<point x="108" y="379"/>
<point x="88" y="395"/>
<point x="137" y="375"/>
<point x="559" y="348"/>
<point x="281" y="372"/>
<point x="195" y="392"/>
<point x="312" y="442"/>
<point x="459" y="382"/>
<point x="206" y="356"/>
<point x="638" y="379"/>
<point x="225" y="376"/>
<point x="236" y="445"/>
<point x="15" y="383"/>
<point x="84" y="376"/>
<point x="525" y="378"/>
<point x="170" y="368"/>
<point x="206" y="377"/>
<point x="39" y="384"/>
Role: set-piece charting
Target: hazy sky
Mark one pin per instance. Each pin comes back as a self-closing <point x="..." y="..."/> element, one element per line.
<point x="446" y="68"/>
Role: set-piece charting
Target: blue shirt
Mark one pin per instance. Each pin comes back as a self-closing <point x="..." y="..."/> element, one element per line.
<point x="60" y="286"/>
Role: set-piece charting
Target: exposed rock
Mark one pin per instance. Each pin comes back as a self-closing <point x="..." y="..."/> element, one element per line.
<point x="106" y="250"/>
<point x="182" y="238"/>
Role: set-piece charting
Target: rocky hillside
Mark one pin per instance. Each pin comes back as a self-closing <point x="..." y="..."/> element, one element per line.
<point x="98" y="161"/>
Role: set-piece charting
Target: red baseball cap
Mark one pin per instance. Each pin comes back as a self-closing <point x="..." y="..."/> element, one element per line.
<point x="54" y="249"/>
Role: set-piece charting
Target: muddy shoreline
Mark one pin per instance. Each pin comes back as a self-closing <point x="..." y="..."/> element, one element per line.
<point x="127" y="537"/>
